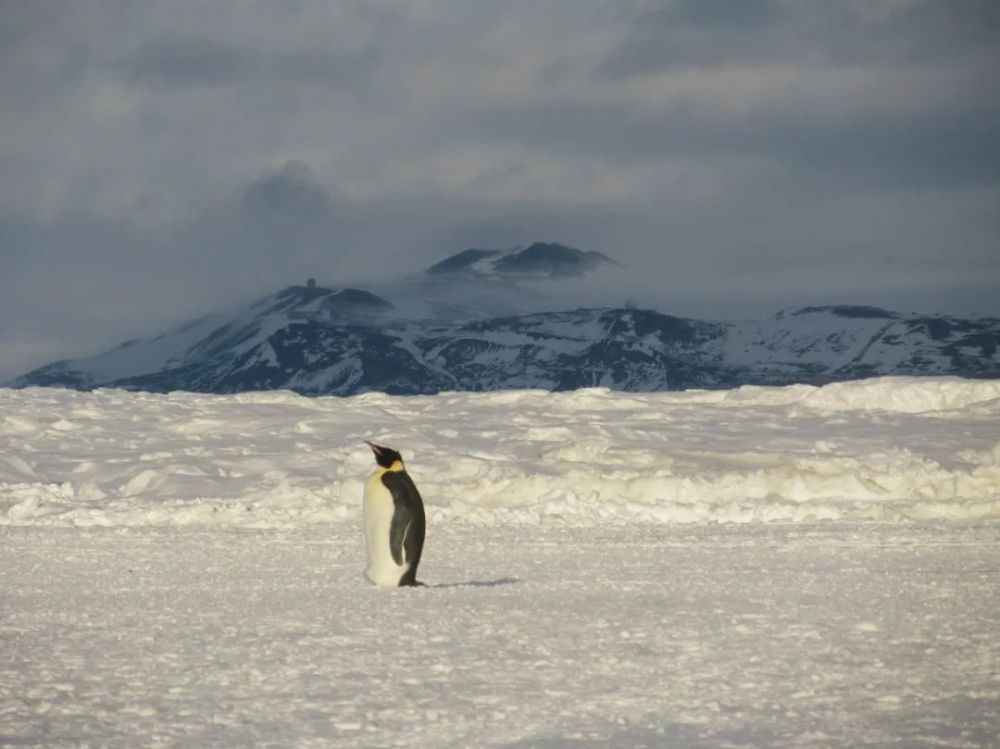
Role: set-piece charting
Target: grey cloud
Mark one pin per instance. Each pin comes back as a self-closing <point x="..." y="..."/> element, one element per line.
<point x="960" y="154"/>
<point x="178" y="63"/>
<point x="291" y="192"/>
<point x="942" y="151"/>
<point x="692" y="34"/>
<point x="746" y="15"/>
<point x="161" y="159"/>
<point x="918" y="32"/>
<point x="186" y="62"/>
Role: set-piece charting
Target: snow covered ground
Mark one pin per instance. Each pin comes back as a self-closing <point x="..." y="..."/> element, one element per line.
<point x="800" y="567"/>
<point x="883" y="449"/>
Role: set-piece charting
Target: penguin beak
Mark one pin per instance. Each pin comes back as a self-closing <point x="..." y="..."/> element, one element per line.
<point x="375" y="448"/>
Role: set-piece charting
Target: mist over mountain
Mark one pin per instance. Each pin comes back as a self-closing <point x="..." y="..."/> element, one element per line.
<point x="476" y="283"/>
<point x="452" y="327"/>
<point x="540" y="260"/>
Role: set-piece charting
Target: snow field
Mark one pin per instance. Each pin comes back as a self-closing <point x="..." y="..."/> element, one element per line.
<point x="684" y="570"/>
<point x="757" y="635"/>
<point x="881" y="449"/>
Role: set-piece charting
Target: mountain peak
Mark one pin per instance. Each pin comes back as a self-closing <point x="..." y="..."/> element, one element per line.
<point x="323" y="301"/>
<point x="461" y="261"/>
<point x="848" y="311"/>
<point x="539" y="260"/>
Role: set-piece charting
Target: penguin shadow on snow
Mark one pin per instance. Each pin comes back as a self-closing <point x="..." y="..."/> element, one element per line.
<point x="477" y="583"/>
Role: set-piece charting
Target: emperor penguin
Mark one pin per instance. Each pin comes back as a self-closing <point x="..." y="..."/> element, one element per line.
<point x="394" y="521"/>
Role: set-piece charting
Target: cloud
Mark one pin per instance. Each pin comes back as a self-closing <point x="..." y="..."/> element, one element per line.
<point x="159" y="160"/>
<point x="291" y="193"/>
<point x="185" y="63"/>
<point x="692" y="34"/>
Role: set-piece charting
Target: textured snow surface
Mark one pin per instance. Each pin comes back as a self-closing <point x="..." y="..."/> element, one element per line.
<point x="685" y="570"/>
<point x="880" y="449"/>
<point x="831" y="635"/>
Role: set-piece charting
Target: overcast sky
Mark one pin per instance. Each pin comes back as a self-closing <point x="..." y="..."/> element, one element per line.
<point x="159" y="160"/>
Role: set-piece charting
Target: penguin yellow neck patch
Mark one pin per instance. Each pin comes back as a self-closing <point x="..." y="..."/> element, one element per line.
<point x="397" y="465"/>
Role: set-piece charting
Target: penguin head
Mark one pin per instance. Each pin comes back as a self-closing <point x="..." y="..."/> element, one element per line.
<point x="386" y="457"/>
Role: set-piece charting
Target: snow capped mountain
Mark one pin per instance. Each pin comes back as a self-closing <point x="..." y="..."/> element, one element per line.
<point x="192" y="357"/>
<point x="319" y="341"/>
<point x="476" y="284"/>
<point x="452" y="328"/>
<point x="539" y="260"/>
<point x="823" y="344"/>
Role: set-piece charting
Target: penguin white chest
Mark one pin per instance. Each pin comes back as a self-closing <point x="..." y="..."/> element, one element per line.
<point x="378" y="509"/>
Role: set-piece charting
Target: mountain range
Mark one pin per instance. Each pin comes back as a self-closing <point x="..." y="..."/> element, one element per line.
<point x="317" y="340"/>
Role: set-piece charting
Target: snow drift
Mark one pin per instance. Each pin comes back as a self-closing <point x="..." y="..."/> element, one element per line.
<point x="880" y="449"/>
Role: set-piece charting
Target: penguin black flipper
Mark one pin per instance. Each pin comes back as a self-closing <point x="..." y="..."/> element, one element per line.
<point x="402" y="519"/>
<point x="409" y="525"/>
